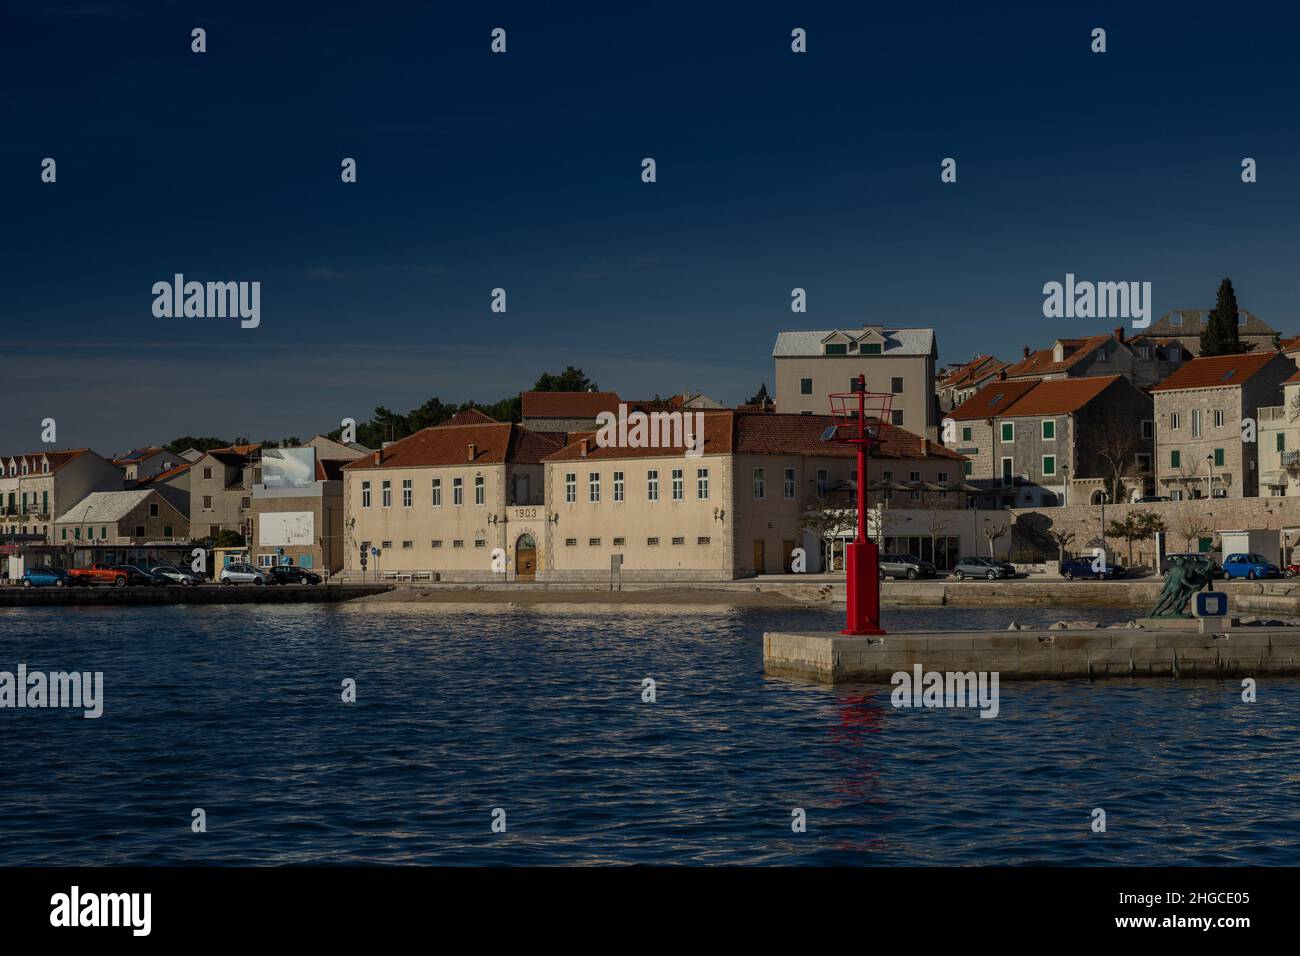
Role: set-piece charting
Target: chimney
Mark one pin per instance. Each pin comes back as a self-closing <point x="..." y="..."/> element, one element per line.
<point x="1026" y="351"/>
<point x="379" y="456"/>
<point x="1119" y="335"/>
<point x="1002" y="375"/>
<point x="925" y="448"/>
<point x="582" y="448"/>
<point x="473" y="451"/>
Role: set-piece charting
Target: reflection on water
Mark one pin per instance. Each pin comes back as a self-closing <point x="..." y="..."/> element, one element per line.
<point x="538" y="711"/>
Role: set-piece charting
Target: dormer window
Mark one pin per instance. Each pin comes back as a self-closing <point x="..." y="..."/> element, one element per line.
<point x="869" y="348"/>
<point x="24" y="468"/>
<point x="1058" y="352"/>
<point x="836" y="348"/>
<point x="45" y="467"/>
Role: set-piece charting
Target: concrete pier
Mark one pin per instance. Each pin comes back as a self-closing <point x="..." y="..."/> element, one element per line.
<point x="14" y="596"/>
<point x="1166" y="649"/>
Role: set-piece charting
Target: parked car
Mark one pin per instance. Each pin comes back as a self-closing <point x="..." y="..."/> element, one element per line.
<point x="1151" y="499"/>
<point x="43" y="576"/>
<point x="175" y="575"/>
<point x="242" y="574"/>
<point x="1216" y="573"/>
<point x="139" y="577"/>
<point x="904" y="566"/>
<point x="990" y="568"/>
<point x="99" y="574"/>
<point x="290" y="574"/>
<point x="1250" y="566"/>
<point x="1083" y="568"/>
<point x="1291" y="570"/>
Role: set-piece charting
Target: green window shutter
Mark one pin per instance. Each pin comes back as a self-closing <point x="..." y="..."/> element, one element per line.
<point x="1175" y="459"/>
<point x="1049" y="464"/>
<point x="967" y="433"/>
<point x="1281" y="441"/>
<point x="870" y="348"/>
<point x="968" y="469"/>
<point x="1218" y="457"/>
<point x="1008" y="431"/>
<point x="1049" y="430"/>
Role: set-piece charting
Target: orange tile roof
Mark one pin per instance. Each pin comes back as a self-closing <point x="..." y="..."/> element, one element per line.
<point x="164" y="475"/>
<point x="993" y="399"/>
<point x="977" y="368"/>
<point x="470" y="416"/>
<point x="1291" y="343"/>
<point x="1043" y="362"/>
<point x="495" y="444"/>
<point x="1219" y="371"/>
<point x="1060" y="396"/>
<point x="57" y="458"/>
<point x="568" y="404"/>
<point x="758" y="433"/>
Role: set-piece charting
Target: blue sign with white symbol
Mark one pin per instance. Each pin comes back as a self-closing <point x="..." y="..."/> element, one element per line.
<point x="1210" y="604"/>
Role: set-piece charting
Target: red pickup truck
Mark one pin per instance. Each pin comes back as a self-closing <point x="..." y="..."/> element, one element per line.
<point x="98" y="574"/>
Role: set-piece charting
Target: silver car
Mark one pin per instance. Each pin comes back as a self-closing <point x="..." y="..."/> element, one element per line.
<point x="241" y="574"/>
<point x="175" y="575"/>
<point x="904" y="566"/>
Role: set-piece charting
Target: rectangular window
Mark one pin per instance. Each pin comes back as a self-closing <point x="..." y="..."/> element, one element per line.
<point x="701" y="540"/>
<point x="619" y="542"/>
<point x="869" y="348"/>
<point x="896" y="385"/>
<point x="652" y="541"/>
<point x="1175" y="422"/>
<point x="480" y="490"/>
<point x="457" y="543"/>
<point x="207" y="474"/>
<point x="436" y="543"/>
<point x="1175" y="459"/>
<point x="805" y="386"/>
<point x="1049" y="466"/>
<point x="652" y="485"/>
<point x="167" y="531"/>
<point x="1009" y="431"/>
<point x="365" y="496"/>
<point x="679" y="484"/>
<point x="570" y="487"/>
<point x="570" y="542"/>
<point x="1007" y="469"/>
<point x="593" y="542"/>
<point x="1281" y="441"/>
<point x="407" y="545"/>
<point x="408" y="493"/>
<point x="702" y="483"/>
<point x="457" y="491"/>
<point x="385" y="545"/>
<point x="1218" y="458"/>
<point x="437" y="492"/>
<point x="1148" y="429"/>
<point x="760" y="483"/>
<point x="1049" y="429"/>
<point x="1196" y="423"/>
<point x="823" y="482"/>
<point x="789" y="484"/>
<point x="968" y="468"/>
<point x="1218" y="418"/>
<point x="593" y="486"/>
<point x="896" y="417"/>
<point x="967" y="433"/>
<point x="618" y="486"/>
<point x="679" y="540"/>
<point x="386" y="494"/>
<point x="103" y="532"/>
<point x="153" y="510"/>
<point x="834" y="349"/>
<point x="480" y="542"/>
<point x="139" y="531"/>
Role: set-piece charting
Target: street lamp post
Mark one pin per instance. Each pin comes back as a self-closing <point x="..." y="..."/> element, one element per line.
<point x="1104" y="496"/>
<point x="1210" y="459"/>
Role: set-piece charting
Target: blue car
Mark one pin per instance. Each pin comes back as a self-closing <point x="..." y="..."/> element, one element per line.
<point x="43" y="576"/>
<point x="1250" y="566"/>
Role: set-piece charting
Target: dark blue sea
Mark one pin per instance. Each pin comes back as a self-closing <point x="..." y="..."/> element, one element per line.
<point x="237" y="710"/>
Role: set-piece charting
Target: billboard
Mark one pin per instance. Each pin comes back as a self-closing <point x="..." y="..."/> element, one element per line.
<point x="288" y="467"/>
<point x="279" y="529"/>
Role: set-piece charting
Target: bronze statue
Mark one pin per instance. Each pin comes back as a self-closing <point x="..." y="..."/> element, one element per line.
<point x="1187" y="575"/>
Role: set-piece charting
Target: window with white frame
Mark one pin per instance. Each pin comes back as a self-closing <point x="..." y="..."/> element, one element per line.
<point x="1196" y="423"/>
<point x="437" y="492"/>
<point x="1175" y="422"/>
<point x="760" y="483"/>
<point x="702" y="483"/>
<point x="652" y="484"/>
<point x="789" y="484"/>
<point x="679" y="484"/>
<point x="386" y="494"/>
<point x="618" y="486"/>
<point x="570" y="487"/>
<point x="480" y="490"/>
<point x="457" y="492"/>
<point x="408" y="493"/>
<point x="365" y="494"/>
<point x="593" y="486"/>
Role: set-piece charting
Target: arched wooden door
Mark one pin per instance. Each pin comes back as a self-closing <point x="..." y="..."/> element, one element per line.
<point x="525" y="558"/>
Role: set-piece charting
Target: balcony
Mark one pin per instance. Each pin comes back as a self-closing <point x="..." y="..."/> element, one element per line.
<point x="1272" y="413"/>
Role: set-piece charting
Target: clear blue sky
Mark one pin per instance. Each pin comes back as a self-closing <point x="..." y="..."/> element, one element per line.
<point x="523" y="171"/>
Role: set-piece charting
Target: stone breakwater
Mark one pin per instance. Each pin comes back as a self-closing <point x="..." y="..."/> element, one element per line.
<point x="1177" y="648"/>
<point x="204" y="594"/>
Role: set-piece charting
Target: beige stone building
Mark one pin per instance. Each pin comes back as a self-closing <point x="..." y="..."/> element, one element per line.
<point x="1279" y="443"/>
<point x="812" y="365"/>
<point x="133" y="518"/>
<point x="960" y="382"/>
<point x="1199" y="412"/>
<point x="440" y="502"/>
<point x="1143" y="360"/>
<point x="1185" y="326"/>
<point x="221" y="490"/>
<point x="38" y="487"/>
<point x="736" y="510"/>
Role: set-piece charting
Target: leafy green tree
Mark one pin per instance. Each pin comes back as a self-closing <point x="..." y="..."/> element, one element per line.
<point x="1220" y="334"/>
<point x="759" y="398"/>
<point x="225" y="538"/>
<point x="570" y="380"/>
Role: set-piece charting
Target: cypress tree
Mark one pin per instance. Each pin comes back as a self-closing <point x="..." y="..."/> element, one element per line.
<point x="1219" y="336"/>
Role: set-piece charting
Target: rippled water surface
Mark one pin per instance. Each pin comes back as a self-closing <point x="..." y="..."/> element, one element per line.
<point x="237" y="710"/>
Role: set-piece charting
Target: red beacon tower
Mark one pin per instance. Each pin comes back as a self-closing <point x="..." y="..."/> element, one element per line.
<point x="860" y="415"/>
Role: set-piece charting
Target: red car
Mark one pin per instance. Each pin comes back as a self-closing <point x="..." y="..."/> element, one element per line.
<point x="1290" y="570"/>
<point x="98" y="574"/>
